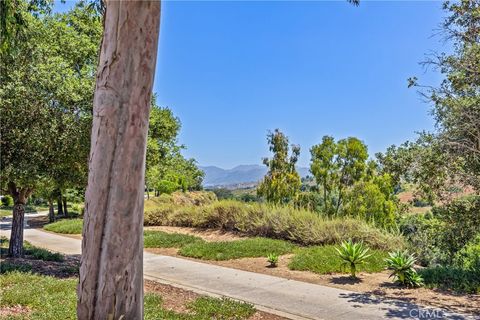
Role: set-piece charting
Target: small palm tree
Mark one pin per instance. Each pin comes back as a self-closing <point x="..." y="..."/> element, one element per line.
<point x="352" y="254"/>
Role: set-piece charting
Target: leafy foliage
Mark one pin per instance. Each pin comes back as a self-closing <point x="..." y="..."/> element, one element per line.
<point x="282" y="182"/>
<point x="166" y="168"/>
<point x="352" y="255"/>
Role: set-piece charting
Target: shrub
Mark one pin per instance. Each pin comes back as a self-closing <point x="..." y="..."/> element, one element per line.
<point x="67" y="226"/>
<point x="401" y="264"/>
<point x="461" y="220"/>
<point x="352" y="254"/>
<point x="272" y="258"/>
<point x="423" y="233"/>
<point x="281" y="222"/>
<point x="469" y="257"/>
<point x="7" y="201"/>
<point x="6" y="267"/>
<point x="42" y="254"/>
<point x="451" y="278"/>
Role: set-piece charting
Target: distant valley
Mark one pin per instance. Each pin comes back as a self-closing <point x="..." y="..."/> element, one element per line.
<point x="239" y="176"/>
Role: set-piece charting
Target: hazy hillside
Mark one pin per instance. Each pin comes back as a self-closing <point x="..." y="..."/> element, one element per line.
<point x="215" y="176"/>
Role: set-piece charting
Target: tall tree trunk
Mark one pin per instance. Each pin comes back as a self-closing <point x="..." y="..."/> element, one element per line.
<point x="20" y="196"/>
<point x="65" y="210"/>
<point x="15" y="248"/>
<point x="111" y="271"/>
<point x="51" y="211"/>
<point x="59" y="205"/>
<point x="148" y="193"/>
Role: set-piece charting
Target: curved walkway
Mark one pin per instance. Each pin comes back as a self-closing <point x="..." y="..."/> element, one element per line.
<point x="288" y="298"/>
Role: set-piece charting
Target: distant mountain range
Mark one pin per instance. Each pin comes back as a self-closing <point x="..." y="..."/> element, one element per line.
<point x="240" y="175"/>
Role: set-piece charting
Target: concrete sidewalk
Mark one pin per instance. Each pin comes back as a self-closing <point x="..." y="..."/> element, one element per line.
<point x="289" y="298"/>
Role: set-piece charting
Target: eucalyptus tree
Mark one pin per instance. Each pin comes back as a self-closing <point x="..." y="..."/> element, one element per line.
<point x="111" y="271"/>
<point x="336" y="167"/>
<point x="282" y="182"/>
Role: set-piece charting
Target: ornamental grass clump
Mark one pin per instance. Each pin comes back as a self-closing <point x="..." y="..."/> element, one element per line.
<point x="352" y="254"/>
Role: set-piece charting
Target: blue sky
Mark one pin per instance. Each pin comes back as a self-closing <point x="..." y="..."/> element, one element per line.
<point x="231" y="71"/>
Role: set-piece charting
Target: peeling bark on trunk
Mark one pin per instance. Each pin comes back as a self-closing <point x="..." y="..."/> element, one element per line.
<point x="111" y="272"/>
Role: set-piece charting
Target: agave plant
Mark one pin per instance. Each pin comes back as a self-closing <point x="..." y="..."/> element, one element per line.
<point x="401" y="263"/>
<point x="353" y="254"/>
<point x="272" y="258"/>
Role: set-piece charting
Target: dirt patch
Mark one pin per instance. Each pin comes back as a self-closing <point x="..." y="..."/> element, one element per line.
<point x="205" y="234"/>
<point x="176" y="299"/>
<point x="67" y="268"/>
<point x="13" y="311"/>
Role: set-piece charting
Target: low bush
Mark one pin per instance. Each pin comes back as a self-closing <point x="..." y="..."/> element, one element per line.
<point x="41" y="254"/>
<point x="159" y="239"/>
<point x="451" y="278"/>
<point x="468" y="258"/>
<point x="68" y="226"/>
<point x="226" y="250"/>
<point x="280" y="222"/>
<point x="7" y="201"/>
<point x="325" y="259"/>
<point x="7" y="266"/>
<point x="401" y="263"/>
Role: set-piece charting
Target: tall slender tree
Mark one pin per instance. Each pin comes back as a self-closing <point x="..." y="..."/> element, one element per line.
<point x="111" y="272"/>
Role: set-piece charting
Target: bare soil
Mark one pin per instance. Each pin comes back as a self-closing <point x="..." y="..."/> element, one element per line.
<point x="13" y="311"/>
<point x="205" y="234"/>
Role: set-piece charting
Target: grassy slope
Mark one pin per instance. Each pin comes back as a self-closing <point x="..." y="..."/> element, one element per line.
<point x="324" y="259"/>
<point x="159" y="239"/>
<point x="68" y="226"/>
<point x="226" y="250"/>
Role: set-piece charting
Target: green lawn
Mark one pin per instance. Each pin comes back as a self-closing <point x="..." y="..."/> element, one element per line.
<point x="160" y="239"/>
<point x="324" y="259"/>
<point x="68" y="226"/>
<point x="50" y="298"/>
<point x="7" y="211"/>
<point x="35" y="253"/>
<point x="226" y="250"/>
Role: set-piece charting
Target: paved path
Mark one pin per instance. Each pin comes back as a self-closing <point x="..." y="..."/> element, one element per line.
<point x="292" y="299"/>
